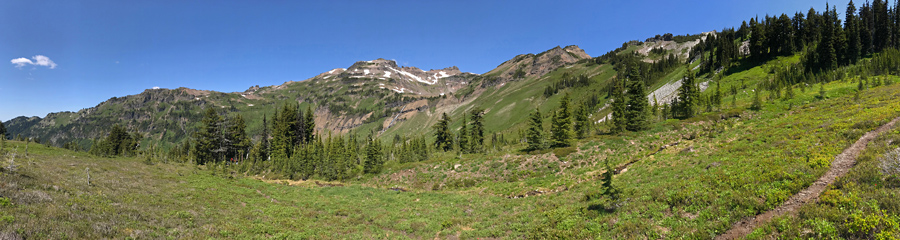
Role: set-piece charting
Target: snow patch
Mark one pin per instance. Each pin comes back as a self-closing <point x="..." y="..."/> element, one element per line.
<point x="249" y="105"/>
<point x="366" y="71"/>
<point x="417" y="78"/>
<point x="401" y="90"/>
<point x="387" y="74"/>
<point x="444" y="74"/>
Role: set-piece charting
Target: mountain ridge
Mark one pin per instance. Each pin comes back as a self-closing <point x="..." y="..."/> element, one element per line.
<point x="375" y="94"/>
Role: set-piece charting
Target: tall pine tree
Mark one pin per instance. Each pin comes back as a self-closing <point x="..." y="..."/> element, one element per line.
<point x="851" y="29"/>
<point x="463" y="136"/>
<point x="561" y="129"/>
<point x="688" y="96"/>
<point x="582" y="122"/>
<point x="618" y="106"/>
<point x="208" y="139"/>
<point x="535" y="134"/>
<point x="477" y="130"/>
<point x="637" y="108"/>
<point x="374" y="156"/>
<point x="882" y="33"/>
<point x="825" y="50"/>
<point x="443" y="139"/>
<point x="236" y="140"/>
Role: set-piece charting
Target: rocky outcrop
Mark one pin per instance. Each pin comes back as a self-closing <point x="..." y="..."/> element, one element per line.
<point x="528" y="65"/>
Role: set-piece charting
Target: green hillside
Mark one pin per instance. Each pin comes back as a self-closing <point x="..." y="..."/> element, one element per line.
<point x="717" y="168"/>
<point x="746" y="122"/>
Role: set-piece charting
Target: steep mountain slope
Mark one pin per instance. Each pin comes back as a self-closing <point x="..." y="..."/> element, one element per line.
<point x="368" y="96"/>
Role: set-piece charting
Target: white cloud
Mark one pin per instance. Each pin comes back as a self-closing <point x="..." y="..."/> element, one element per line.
<point x="20" y="62"/>
<point x="39" y="60"/>
<point x="42" y="60"/>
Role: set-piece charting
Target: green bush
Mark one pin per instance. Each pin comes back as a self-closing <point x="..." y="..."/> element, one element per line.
<point x="5" y="202"/>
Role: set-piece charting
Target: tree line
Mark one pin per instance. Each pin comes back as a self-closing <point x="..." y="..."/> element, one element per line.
<point x="469" y="138"/>
<point x="565" y="126"/>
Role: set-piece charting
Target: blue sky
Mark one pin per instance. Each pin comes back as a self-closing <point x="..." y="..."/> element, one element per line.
<point x="69" y="55"/>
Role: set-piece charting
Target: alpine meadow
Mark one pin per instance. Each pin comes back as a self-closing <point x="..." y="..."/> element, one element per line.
<point x="782" y="126"/>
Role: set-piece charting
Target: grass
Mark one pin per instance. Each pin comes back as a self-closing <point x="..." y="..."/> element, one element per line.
<point x="50" y="198"/>
<point x="864" y="204"/>
<point x="687" y="179"/>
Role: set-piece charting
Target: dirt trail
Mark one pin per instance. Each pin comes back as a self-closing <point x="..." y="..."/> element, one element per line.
<point x="840" y="166"/>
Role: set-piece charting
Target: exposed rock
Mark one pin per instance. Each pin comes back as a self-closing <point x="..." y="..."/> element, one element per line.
<point x="528" y="65"/>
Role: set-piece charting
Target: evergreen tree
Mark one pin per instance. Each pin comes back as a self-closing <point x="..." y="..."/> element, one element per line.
<point x="813" y="26"/>
<point x="374" y="156"/>
<point x="825" y="50"/>
<point x="758" y="49"/>
<point x="840" y="39"/>
<point x="443" y="139"/>
<point x="236" y="138"/>
<point x="882" y="32"/>
<point x="353" y="150"/>
<point x="688" y="96"/>
<point x="463" y="136"/>
<point x="208" y="139"/>
<point x="561" y="129"/>
<point x="582" y="122"/>
<point x="718" y="97"/>
<point x="866" y="30"/>
<point x="851" y="27"/>
<point x="535" y="135"/>
<point x="742" y="31"/>
<point x="339" y="158"/>
<point x="895" y="28"/>
<point x="2" y="130"/>
<point x="785" y="32"/>
<point x="821" y="91"/>
<point x="477" y="130"/>
<point x="310" y="124"/>
<point x="283" y="135"/>
<point x="637" y="108"/>
<point x="799" y="36"/>
<point x="757" y="103"/>
<point x="789" y="94"/>
<point x="264" y="141"/>
<point x="618" y="107"/>
<point x="608" y="188"/>
<point x="299" y="129"/>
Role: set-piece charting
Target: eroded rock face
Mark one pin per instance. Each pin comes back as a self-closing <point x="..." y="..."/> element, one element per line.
<point x="527" y="65"/>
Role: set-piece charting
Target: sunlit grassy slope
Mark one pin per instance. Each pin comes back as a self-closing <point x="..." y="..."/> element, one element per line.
<point x="714" y="169"/>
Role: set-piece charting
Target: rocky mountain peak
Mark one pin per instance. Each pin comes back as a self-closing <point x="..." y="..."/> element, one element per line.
<point x="577" y="51"/>
<point x="527" y="65"/>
